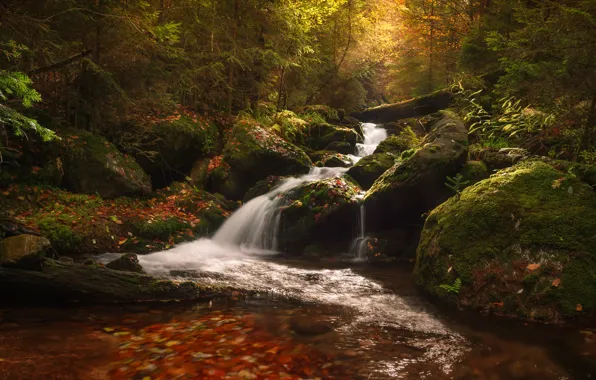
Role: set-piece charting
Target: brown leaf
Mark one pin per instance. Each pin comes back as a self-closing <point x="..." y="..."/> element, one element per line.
<point x="556" y="282"/>
<point x="532" y="267"/>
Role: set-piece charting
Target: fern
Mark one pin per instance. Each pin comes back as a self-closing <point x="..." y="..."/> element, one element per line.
<point x="457" y="184"/>
<point x="455" y="288"/>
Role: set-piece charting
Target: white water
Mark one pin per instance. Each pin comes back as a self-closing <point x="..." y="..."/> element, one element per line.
<point x="255" y="226"/>
<point x="237" y="256"/>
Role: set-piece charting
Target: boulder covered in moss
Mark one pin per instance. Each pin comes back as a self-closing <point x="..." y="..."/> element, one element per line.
<point x="263" y="187"/>
<point x="474" y="172"/>
<point x="521" y="243"/>
<point x="397" y="144"/>
<point x="92" y="165"/>
<point x="367" y="170"/>
<point x="416" y="184"/>
<point x="321" y="136"/>
<point x="170" y="146"/>
<point x="129" y="262"/>
<point x="497" y="159"/>
<point x="330" y="159"/>
<point x="320" y="211"/>
<point x="23" y="250"/>
<point x="251" y="154"/>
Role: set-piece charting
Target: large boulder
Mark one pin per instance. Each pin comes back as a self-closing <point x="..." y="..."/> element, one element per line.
<point x="521" y="243"/>
<point x="330" y="159"/>
<point x="94" y="165"/>
<point x="262" y="187"/>
<point x="177" y="142"/>
<point x="416" y="184"/>
<point x="251" y="154"/>
<point x="320" y="211"/>
<point x="23" y="250"/>
<point x="367" y="170"/>
<point x="397" y="144"/>
<point x="323" y="136"/>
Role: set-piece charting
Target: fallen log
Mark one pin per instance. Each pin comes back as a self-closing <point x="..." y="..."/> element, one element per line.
<point x="60" y="281"/>
<point x="416" y="107"/>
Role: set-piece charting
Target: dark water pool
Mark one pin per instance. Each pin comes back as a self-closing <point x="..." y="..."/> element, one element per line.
<point x="365" y="322"/>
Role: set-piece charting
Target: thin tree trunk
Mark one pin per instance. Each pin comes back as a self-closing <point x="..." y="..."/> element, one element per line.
<point x="431" y="43"/>
<point x="281" y="86"/>
<point x="590" y="124"/>
<point x="231" y="68"/>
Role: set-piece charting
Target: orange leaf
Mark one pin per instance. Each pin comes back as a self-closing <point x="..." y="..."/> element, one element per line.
<point x="579" y="307"/>
<point x="122" y="241"/>
<point x="556" y="282"/>
<point x="532" y="267"/>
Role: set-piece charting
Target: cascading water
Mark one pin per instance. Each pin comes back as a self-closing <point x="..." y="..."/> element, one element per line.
<point x="255" y="225"/>
<point x="360" y="245"/>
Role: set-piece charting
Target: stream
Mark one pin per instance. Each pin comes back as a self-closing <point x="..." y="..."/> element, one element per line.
<point x="343" y="319"/>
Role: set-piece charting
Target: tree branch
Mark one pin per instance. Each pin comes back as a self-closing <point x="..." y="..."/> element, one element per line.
<point x="61" y="64"/>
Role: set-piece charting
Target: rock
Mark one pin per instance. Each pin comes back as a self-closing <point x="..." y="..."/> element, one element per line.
<point x="330" y="159"/>
<point x="521" y="243"/>
<point x="316" y="212"/>
<point x="419" y="125"/>
<point x="396" y="145"/>
<point x="199" y="174"/>
<point x="128" y="262"/>
<point x="420" y="106"/>
<point x="321" y="136"/>
<point x="341" y="147"/>
<point x="496" y="159"/>
<point x="59" y="281"/>
<point x="25" y="251"/>
<point x="416" y="184"/>
<point x="251" y="154"/>
<point x="262" y="187"/>
<point x="367" y="170"/>
<point x="180" y="141"/>
<point x="474" y="172"/>
<point x="10" y="227"/>
<point x="93" y="165"/>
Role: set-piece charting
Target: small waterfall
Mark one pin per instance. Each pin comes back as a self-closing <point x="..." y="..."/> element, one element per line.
<point x="359" y="247"/>
<point x="255" y="225"/>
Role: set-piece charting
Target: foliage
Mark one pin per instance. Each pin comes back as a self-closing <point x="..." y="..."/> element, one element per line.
<point x="457" y="184"/>
<point x="452" y="288"/>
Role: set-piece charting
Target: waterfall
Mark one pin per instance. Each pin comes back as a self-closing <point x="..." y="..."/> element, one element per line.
<point x="255" y="225"/>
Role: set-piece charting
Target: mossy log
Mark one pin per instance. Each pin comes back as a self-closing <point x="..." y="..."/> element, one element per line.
<point x="423" y="105"/>
<point x="68" y="282"/>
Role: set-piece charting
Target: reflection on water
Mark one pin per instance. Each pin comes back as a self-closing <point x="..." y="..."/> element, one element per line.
<point x="367" y="322"/>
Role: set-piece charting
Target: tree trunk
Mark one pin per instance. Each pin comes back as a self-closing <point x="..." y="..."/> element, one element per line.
<point x="234" y="50"/>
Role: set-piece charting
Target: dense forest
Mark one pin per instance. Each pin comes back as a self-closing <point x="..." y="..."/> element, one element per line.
<point x="285" y="189"/>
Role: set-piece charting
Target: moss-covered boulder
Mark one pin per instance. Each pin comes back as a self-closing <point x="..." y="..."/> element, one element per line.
<point x="367" y="170"/>
<point x="199" y="174"/>
<point x="92" y="165"/>
<point x="321" y="136"/>
<point x="167" y="147"/>
<point x="320" y="211"/>
<point x="397" y="144"/>
<point x="129" y="262"/>
<point x="521" y="243"/>
<point x="416" y="184"/>
<point x="497" y="159"/>
<point x="330" y="159"/>
<point x="262" y="187"/>
<point x="251" y="154"/>
<point x="23" y="250"/>
<point x="473" y="172"/>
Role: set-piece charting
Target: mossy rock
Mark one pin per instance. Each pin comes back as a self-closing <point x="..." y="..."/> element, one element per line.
<point x="199" y="174"/>
<point x="522" y="243"/>
<point x="398" y="144"/>
<point x="341" y="147"/>
<point x="330" y="159"/>
<point x="321" y="136"/>
<point x="23" y="250"/>
<point x="92" y="165"/>
<point x="128" y="262"/>
<point x="262" y="187"/>
<point x="179" y="142"/>
<point x="497" y="159"/>
<point x="252" y="154"/>
<point x="416" y="183"/>
<point x="474" y="172"/>
<point x="367" y="170"/>
<point x="320" y="211"/>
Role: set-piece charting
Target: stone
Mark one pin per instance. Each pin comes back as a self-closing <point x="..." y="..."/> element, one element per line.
<point x="26" y="251"/>
<point x="128" y="262"/>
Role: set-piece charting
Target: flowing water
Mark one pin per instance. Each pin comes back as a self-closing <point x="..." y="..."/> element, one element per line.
<point x="296" y="320"/>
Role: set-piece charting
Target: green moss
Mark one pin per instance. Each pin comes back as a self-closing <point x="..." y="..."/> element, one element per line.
<point x="62" y="237"/>
<point x="160" y="229"/>
<point x="529" y="213"/>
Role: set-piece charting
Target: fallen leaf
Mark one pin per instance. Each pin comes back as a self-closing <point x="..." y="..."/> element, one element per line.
<point x="556" y="282"/>
<point x="532" y="267"/>
<point x="579" y="307"/>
